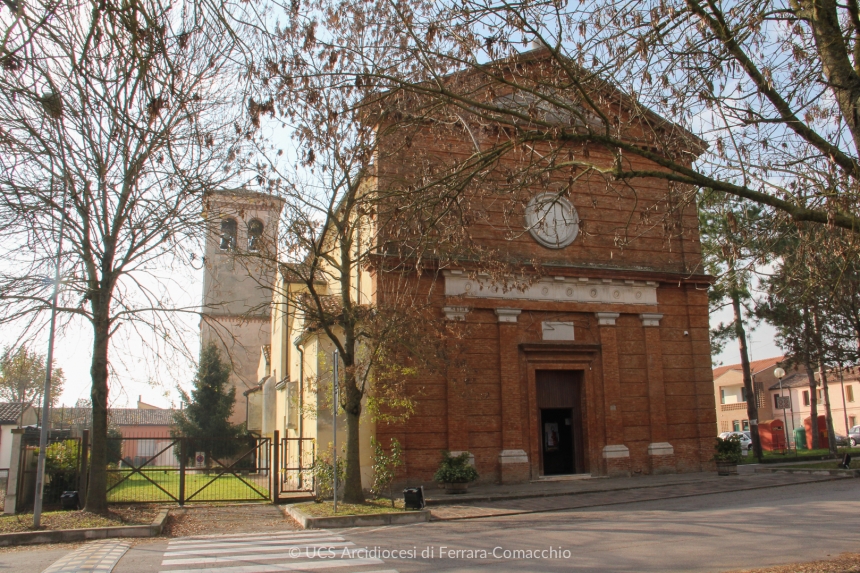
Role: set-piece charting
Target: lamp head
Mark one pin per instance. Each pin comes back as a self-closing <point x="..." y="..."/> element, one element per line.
<point x="779" y="373"/>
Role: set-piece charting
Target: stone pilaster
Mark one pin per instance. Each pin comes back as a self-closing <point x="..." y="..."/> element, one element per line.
<point x="660" y="451"/>
<point x="458" y="406"/>
<point x="615" y="453"/>
<point x="513" y="460"/>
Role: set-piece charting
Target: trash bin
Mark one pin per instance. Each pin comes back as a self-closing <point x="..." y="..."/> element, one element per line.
<point x="413" y="497"/>
<point x="800" y="438"/>
<point x="70" y="500"/>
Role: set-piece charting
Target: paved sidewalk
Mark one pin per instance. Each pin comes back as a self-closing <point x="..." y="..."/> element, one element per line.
<point x="98" y="557"/>
<point x="562" y="486"/>
<point x="618" y="491"/>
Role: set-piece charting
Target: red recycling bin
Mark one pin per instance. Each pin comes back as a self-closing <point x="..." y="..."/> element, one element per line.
<point x="772" y="435"/>
<point x="822" y="431"/>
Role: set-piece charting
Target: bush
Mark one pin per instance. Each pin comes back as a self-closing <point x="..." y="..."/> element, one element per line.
<point x="385" y="467"/>
<point x="61" y="457"/>
<point x="728" y="449"/>
<point x="455" y="469"/>
<point x="323" y="472"/>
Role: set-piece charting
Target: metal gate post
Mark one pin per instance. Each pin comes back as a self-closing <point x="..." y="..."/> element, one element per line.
<point x="276" y="466"/>
<point x="182" y="456"/>
<point x="84" y="477"/>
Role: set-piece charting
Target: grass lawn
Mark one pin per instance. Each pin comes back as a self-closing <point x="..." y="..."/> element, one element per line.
<point x="227" y="487"/>
<point x="77" y="519"/>
<point x="776" y="457"/>
<point x="825" y="465"/>
<point x="326" y="508"/>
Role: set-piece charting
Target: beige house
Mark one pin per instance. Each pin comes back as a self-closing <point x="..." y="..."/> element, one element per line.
<point x="843" y="393"/>
<point x="730" y="395"/>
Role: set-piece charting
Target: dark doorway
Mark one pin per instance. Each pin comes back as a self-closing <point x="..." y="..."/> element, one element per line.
<point x="557" y="428"/>
<point x="559" y="397"/>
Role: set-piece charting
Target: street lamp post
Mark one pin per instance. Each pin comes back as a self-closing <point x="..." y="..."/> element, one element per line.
<point x="780" y="373"/>
<point x="334" y="429"/>
<point x="46" y="397"/>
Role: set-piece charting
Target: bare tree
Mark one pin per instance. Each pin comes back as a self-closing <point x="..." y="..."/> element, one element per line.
<point x="757" y="91"/>
<point x="115" y="118"/>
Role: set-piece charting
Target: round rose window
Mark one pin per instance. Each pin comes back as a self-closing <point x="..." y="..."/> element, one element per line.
<point x="552" y="220"/>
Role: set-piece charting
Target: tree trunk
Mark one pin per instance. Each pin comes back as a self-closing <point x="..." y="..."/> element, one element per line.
<point x="97" y="489"/>
<point x="752" y="407"/>
<point x="352" y="492"/>
<point x="822" y="372"/>
<point x="813" y="404"/>
<point x="351" y="402"/>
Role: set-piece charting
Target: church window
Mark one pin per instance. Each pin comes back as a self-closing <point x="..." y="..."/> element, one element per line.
<point x="228" y="234"/>
<point x="255" y="235"/>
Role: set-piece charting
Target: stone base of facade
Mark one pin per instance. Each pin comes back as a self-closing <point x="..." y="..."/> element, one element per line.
<point x="662" y="457"/>
<point x="514" y="467"/>
<point x="617" y="458"/>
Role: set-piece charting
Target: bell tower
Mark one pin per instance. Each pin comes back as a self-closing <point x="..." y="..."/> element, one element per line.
<point x="239" y="273"/>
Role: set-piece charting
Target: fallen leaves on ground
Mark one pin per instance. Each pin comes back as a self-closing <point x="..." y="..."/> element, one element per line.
<point x="326" y="508"/>
<point x="125" y="515"/>
<point x="213" y="519"/>
<point x="844" y="563"/>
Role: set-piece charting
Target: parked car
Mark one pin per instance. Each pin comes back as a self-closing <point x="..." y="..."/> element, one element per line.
<point x="854" y="435"/>
<point x="746" y="440"/>
<point x="841" y="440"/>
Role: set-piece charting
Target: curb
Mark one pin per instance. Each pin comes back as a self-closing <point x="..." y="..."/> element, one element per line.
<point x="466" y="498"/>
<point x="809" y="471"/>
<point x="623" y="502"/>
<point x="65" y="535"/>
<point x="309" y="522"/>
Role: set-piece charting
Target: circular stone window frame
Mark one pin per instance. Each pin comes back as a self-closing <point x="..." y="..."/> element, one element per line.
<point x="533" y="221"/>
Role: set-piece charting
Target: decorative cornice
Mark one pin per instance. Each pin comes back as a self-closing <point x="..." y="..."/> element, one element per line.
<point x="455" y="312"/>
<point x="556" y="289"/>
<point x="507" y="314"/>
<point x="606" y="318"/>
<point x="650" y="319"/>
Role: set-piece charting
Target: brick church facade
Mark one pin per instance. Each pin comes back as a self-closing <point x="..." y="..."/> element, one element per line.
<point x="598" y="362"/>
<point x="601" y="363"/>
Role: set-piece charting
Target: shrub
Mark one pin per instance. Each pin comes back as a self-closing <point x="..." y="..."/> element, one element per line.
<point x="728" y="449"/>
<point x="323" y="472"/>
<point x="385" y="467"/>
<point x="455" y="469"/>
<point x="61" y="457"/>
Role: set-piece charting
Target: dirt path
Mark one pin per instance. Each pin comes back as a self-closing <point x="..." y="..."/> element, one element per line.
<point x="217" y="519"/>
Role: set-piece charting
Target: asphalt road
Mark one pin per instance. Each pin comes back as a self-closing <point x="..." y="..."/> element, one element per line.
<point x="706" y="533"/>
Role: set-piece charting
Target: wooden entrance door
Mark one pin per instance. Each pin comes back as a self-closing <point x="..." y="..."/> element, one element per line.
<point x="559" y="401"/>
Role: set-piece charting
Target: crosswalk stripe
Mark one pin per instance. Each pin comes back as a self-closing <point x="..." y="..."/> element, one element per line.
<point x="233" y="558"/>
<point x="279" y="552"/>
<point x="273" y="542"/>
<point x="294" y="553"/>
<point x="218" y="537"/>
<point x="246" y="538"/>
<point x="299" y="566"/>
<point x="258" y="549"/>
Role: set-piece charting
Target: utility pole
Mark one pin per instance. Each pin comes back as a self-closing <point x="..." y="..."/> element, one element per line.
<point x="334" y="429"/>
<point x="46" y="398"/>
